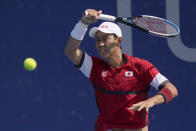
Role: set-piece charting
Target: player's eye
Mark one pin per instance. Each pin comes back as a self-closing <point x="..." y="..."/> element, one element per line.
<point x="105" y="39"/>
<point x="97" y="40"/>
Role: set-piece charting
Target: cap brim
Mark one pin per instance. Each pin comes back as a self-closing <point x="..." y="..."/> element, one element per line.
<point x="92" y="32"/>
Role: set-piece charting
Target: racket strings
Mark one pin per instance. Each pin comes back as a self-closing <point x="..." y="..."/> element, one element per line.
<point x="151" y="25"/>
<point x="155" y="25"/>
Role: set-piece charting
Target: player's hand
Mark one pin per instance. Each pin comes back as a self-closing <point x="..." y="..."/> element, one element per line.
<point x="92" y="16"/>
<point x="147" y="104"/>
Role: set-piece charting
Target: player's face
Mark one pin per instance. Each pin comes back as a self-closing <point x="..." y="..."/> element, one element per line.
<point x="105" y="43"/>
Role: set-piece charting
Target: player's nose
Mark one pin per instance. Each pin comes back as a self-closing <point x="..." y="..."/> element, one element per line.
<point x="100" y="44"/>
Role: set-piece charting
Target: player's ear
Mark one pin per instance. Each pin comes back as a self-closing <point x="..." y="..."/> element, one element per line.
<point x="119" y="40"/>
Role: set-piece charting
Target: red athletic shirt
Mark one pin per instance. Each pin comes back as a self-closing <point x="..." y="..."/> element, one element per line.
<point x="117" y="89"/>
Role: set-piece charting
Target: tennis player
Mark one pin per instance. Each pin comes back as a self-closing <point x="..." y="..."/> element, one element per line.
<point x="121" y="82"/>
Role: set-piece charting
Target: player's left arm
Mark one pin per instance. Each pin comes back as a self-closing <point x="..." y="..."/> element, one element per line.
<point x="151" y="76"/>
<point x="165" y="95"/>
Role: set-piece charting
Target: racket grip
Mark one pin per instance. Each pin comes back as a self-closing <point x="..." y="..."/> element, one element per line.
<point x="103" y="17"/>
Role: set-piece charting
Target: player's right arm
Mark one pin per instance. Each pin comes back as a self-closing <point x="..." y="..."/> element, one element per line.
<point x="72" y="50"/>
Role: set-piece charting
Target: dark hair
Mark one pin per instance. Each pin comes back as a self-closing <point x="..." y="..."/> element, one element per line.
<point x="116" y="37"/>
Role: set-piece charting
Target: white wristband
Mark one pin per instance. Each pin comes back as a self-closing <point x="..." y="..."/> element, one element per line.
<point x="79" y="31"/>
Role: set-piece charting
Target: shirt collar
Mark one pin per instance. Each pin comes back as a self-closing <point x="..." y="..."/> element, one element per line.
<point x="125" y="60"/>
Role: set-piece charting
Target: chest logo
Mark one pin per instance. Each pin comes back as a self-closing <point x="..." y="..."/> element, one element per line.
<point x="104" y="73"/>
<point x="128" y="73"/>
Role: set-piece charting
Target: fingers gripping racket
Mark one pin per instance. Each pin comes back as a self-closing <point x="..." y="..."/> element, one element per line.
<point x="149" y="24"/>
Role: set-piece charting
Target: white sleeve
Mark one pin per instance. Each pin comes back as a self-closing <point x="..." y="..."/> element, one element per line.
<point x="158" y="80"/>
<point x="86" y="65"/>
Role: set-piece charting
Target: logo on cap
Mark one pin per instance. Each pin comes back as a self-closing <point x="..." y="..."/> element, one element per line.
<point x="104" y="26"/>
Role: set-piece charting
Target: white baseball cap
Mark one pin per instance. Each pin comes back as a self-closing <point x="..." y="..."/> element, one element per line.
<point x="106" y="27"/>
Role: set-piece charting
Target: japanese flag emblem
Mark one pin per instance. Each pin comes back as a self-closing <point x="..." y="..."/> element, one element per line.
<point x="128" y="73"/>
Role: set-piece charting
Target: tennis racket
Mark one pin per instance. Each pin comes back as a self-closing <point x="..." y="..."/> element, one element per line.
<point x="146" y="23"/>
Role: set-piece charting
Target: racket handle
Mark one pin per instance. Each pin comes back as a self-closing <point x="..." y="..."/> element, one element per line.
<point x="103" y="17"/>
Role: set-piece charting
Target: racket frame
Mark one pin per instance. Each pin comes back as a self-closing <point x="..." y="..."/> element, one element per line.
<point x="124" y="20"/>
<point x="131" y="23"/>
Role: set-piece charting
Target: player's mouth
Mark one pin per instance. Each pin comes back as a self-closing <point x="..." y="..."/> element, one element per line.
<point x="102" y="51"/>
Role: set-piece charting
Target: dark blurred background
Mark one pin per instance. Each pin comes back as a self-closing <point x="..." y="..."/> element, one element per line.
<point x="57" y="96"/>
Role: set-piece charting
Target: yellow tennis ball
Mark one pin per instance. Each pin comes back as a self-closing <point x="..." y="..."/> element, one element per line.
<point x="30" y="64"/>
